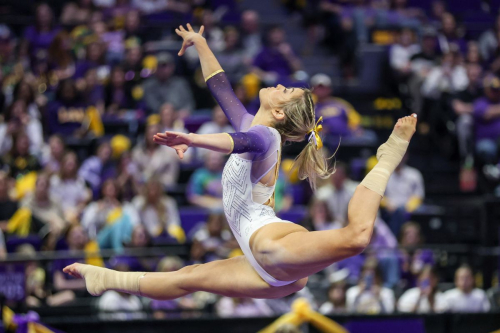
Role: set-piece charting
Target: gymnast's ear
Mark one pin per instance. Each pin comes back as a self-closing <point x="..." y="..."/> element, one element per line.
<point x="278" y="114"/>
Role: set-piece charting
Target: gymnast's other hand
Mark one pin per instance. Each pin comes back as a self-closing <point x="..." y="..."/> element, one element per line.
<point x="189" y="36"/>
<point x="176" y="140"/>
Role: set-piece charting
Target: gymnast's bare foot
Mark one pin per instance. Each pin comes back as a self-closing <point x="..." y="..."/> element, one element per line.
<point x="94" y="277"/>
<point x="405" y="127"/>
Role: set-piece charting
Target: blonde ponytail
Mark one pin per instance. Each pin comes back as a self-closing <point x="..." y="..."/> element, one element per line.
<point x="312" y="163"/>
<point x="299" y="120"/>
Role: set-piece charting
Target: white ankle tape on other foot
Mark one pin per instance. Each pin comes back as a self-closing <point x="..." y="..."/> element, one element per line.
<point x="389" y="156"/>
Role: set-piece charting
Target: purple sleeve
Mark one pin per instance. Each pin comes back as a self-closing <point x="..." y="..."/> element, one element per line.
<point x="480" y="107"/>
<point x="223" y="93"/>
<point x="257" y="140"/>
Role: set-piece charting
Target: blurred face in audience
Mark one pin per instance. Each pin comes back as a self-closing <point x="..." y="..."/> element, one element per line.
<point x="76" y="239"/>
<point x="22" y="145"/>
<point x="94" y="52"/>
<point x="406" y="37"/>
<point x="153" y="192"/>
<point x="322" y="91"/>
<point x="43" y="15"/>
<point x="167" y="115"/>
<point x="250" y="21"/>
<point x="133" y="56"/>
<point x="68" y="91"/>
<point x="18" y="110"/>
<point x="473" y="55"/>
<point x="4" y="189"/>
<point x="118" y="77"/>
<point x="104" y="152"/>
<point x="56" y="147"/>
<point x="276" y="36"/>
<point x="474" y="72"/>
<point x="339" y="177"/>
<point x="151" y="130"/>
<point x="231" y="38"/>
<point x="69" y="166"/>
<point x="448" y="23"/>
<point x="132" y="21"/>
<point x="25" y="92"/>
<point x="336" y="294"/>
<point x="429" y="44"/>
<point x="91" y="78"/>
<point x="215" y="224"/>
<point x="42" y="188"/>
<point x="427" y="278"/>
<point x="165" y="71"/>
<point x="410" y="235"/>
<point x="109" y="190"/>
<point x="219" y="117"/>
<point x="464" y="280"/>
<point x="214" y="161"/>
<point x="139" y="237"/>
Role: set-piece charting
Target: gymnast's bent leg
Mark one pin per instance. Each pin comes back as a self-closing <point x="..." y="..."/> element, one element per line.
<point x="289" y="252"/>
<point x="233" y="277"/>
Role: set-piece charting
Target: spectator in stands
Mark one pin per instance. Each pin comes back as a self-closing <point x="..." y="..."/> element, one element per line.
<point x="450" y="37"/>
<point x="283" y="305"/>
<point x="214" y="240"/>
<point x="169" y="119"/>
<point x="338" y="193"/>
<point x="464" y="297"/>
<point x="401" y="53"/>
<point x="449" y="77"/>
<point x="425" y="298"/>
<point x="35" y="291"/>
<point x="76" y="240"/>
<point x="91" y="89"/>
<point x="132" y="65"/>
<point x="164" y="87"/>
<point x="20" y="161"/>
<point x="340" y="119"/>
<point x="67" y="114"/>
<point x="153" y="160"/>
<point x="404" y="194"/>
<point x="473" y="55"/>
<point x="94" y="59"/>
<point x="24" y="91"/>
<point x="109" y="221"/>
<point x="369" y="296"/>
<point x="236" y="61"/>
<point x="488" y="42"/>
<point x="421" y="65"/>
<point x="383" y="246"/>
<point x="133" y="28"/>
<point x="158" y="211"/>
<point x="251" y="36"/>
<point x="37" y="37"/>
<point x="118" y="98"/>
<point x="156" y="6"/>
<point x="96" y="169"/>
<point x="336" y="303"/>
<point x="412" y="259"/>
<point x="204" y="188"/>
<point x="47" y="218"/>
<point x="139" y="240"/>
<point x="463" y="105"/>
<point x="126" y="176"/>
<point x="238" y="307"/>
<point x="61" y="64"/>
<point x="320" y="217"/>
<point x="76" y="13"/>
<point x="487" y="121"/>
<point x="69" y="189"/>
<point x="276" y="62"/>
<point x="17" y="119"/>
<point x="8" y="206"/>
<point x="53" y="154"/>
<point x="218" y="124"/>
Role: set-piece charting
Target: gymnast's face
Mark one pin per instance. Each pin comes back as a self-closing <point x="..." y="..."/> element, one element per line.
<point x="271" y="98"/>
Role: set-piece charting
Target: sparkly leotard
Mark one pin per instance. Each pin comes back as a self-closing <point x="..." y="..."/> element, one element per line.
<point x="256" y="152"/>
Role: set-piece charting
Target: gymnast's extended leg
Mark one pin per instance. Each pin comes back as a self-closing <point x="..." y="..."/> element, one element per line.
<point x="233" y="277"/>
<point x="289" y="252"/>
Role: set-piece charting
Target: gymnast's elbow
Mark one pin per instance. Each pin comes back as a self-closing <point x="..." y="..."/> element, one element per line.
<point x="359" y="240"/>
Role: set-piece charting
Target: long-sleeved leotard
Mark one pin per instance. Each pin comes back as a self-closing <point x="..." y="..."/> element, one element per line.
<point x="260" y="144"/>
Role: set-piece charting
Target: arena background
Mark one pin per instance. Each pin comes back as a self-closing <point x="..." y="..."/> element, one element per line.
<point x="86" y="83"/>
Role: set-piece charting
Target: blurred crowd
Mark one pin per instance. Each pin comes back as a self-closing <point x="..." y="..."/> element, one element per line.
<point x="86" y="86"/>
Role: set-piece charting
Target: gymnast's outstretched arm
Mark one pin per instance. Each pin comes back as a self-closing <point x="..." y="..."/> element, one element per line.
<point x="217" y="81"/>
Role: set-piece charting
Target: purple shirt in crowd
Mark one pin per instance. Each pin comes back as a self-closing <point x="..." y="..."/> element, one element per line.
<point x="39" y="41"/>
<point x="65" y="119"/>
<point x="485" y="129"/>
<point x="271" y="60"/>
<point x="334" y="113"/>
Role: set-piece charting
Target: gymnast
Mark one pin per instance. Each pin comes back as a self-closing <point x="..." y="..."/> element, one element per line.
<point x="278" y="255"/>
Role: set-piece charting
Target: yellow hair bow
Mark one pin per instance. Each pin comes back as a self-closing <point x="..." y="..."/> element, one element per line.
<point x="314" y="134"/>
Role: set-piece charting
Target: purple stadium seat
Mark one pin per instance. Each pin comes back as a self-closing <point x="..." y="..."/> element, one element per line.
<point x="190" y="216"/>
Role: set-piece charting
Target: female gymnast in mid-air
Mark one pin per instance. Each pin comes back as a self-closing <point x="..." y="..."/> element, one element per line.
<point x="278" y="255"/>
